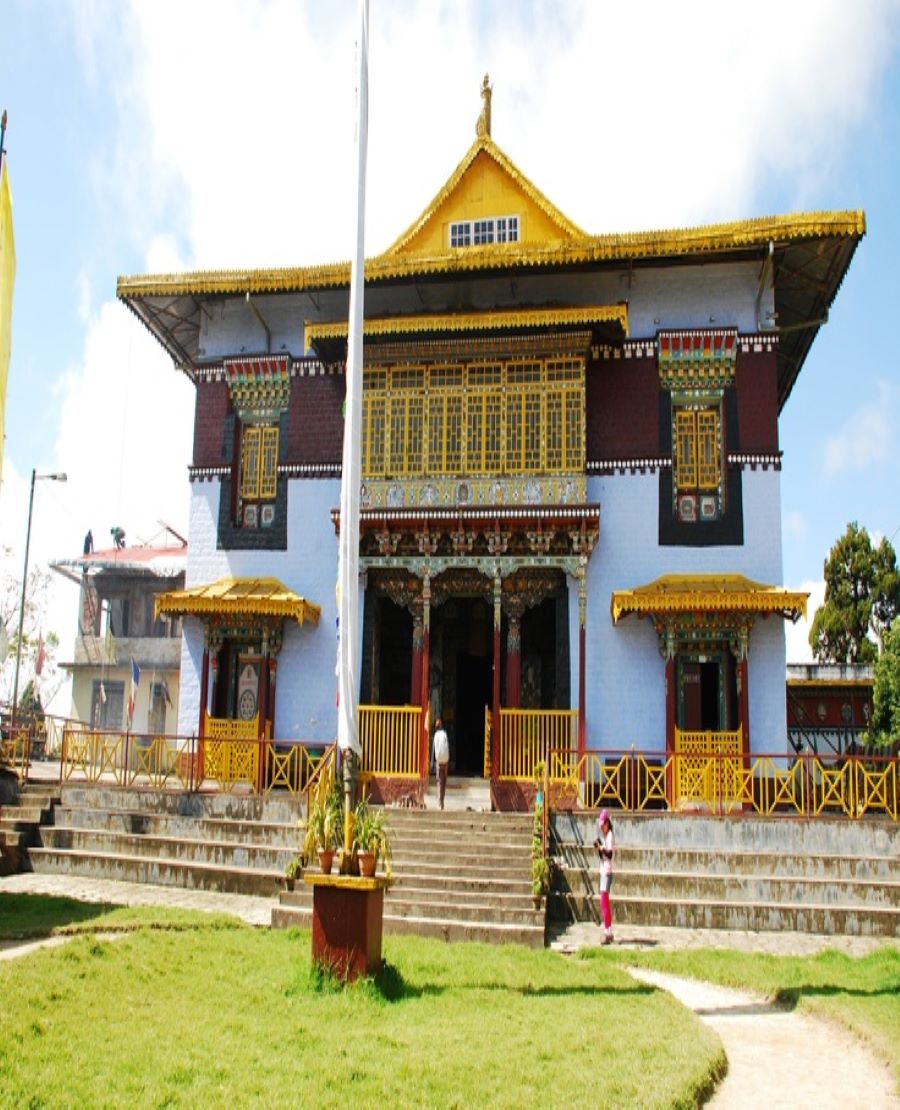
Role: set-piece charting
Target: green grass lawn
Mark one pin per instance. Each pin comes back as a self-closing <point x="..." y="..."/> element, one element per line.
<point x="860" y="995"/>
<point x="189" y="1012"/>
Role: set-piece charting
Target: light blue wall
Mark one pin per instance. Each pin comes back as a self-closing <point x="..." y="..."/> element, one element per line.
<point x="306" y="682"/>
<point x="625" y="676"/>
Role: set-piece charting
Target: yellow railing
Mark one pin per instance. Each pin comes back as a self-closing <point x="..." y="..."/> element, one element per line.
<point x="699" y="779"/>
<point x="15" y="750"/>
<point x="390" y="737"/>
<point x="292" y="766"/>
<point x="227" y="728"/>
<point x="807" y="786"/>
<point x="527" y="737"/>
<point x="488" y="728"/>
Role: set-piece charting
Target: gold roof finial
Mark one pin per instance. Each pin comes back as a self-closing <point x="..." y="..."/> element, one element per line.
<point x="483" y="126"/>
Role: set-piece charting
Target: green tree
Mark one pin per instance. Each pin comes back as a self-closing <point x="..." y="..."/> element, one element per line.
<point x="886" y="716"/>
<point x="862" y="597"/>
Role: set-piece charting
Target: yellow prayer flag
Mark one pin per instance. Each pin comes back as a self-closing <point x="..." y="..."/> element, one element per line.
<point x="7" y="278"/>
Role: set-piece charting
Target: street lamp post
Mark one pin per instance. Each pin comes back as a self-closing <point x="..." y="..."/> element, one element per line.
<point x="35" y="477"/>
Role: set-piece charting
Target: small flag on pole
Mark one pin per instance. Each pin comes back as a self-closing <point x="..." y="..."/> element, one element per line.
<point x="135" y="682"/>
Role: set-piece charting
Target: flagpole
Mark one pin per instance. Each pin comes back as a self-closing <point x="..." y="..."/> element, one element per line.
<point x="348" y="562"/>
<point x="2" y="137"/>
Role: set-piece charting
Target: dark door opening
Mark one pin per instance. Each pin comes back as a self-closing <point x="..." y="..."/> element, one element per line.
<point x="473" y="693"/>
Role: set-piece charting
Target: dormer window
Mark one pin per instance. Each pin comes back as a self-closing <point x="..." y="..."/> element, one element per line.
<point x="480" y="233"/>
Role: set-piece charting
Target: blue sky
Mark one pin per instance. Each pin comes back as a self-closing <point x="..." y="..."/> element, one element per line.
<point x="181" y="134"/>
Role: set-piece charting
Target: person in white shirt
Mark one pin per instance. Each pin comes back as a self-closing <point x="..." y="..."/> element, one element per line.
<point x="441" y="759"/>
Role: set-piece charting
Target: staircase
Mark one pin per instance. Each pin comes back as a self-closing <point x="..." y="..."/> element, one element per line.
<point x="200" y="842"/>
<point x="20" y="825"/>
<point x="822" y="876"/>
<point x="460" y="874"/>
<point x="457" y="875"/>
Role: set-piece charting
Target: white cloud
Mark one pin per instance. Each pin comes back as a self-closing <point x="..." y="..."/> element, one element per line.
<point x="797" y="635"/>
<point x="869" y="435"/>
<point x="795" y="527"/>
<point x="236" y="133"/>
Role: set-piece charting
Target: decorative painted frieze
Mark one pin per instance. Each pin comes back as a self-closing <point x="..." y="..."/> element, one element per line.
<point x="259" y="385"/>
<point x="697" y="359"/>
<point x="560" y="489"/>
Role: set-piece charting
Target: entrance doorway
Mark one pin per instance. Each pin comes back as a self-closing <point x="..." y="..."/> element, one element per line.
<point x="707" y="693"/>
<point x="461" y="677"/>
<point x="473" y="693"/>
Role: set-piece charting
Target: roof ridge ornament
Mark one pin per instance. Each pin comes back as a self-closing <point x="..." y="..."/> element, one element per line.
<point x="483" y="126"/>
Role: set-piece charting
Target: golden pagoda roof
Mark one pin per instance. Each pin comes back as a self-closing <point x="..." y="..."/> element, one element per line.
<point x="242" y="597"/>
<point x="809" y="253"/>
<point x="704" y="593"/>
<point x="704" y="240"/>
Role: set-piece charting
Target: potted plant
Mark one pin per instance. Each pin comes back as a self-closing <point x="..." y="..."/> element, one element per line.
<point x="324" y="822"/>
<point x="540" y="879"/>
<point x="540" y="865"/>
<point x="292" y="872"/>
<point x="370" y="838"/>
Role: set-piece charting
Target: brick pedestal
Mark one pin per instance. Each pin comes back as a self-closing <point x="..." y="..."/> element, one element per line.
<point x="348" y="915"/>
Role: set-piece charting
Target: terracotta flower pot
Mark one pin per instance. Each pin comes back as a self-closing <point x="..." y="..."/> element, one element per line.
<point x="326" y="859"/>
<point x="367" y="861"/>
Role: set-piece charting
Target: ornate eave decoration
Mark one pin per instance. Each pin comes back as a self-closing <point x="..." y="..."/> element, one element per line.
<point x="713" y="240"/>
<point x="238" y="598"/>
<point x="455" y="323"/>
<point x="697" y="359"/>
<point x="259" y="385"/>
<point x="704" y="596"/>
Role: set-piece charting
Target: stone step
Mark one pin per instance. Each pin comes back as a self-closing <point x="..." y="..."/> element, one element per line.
<point x="486" y="886"/>
<point x="22" y="814"/>
<point x="443" y="928"/>
<point x="500" y="838"/>
<point x="160" y="871"/>
<point x="524" y="914"/>
<point x="461" y="905"/>
<point x="828" y="920"/>
<point x="760" y="888"/>
<point x="219" y="853"/>
<point x="741" y="833"/>
<point x="785" y="863"/>
<point x="480" y="822"/>
<point x="201" y="828"/>
<point x="407" y="851"/>
<point x="277" y="807"/>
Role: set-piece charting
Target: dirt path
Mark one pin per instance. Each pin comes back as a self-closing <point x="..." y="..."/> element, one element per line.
<point x="779" y="1058"/>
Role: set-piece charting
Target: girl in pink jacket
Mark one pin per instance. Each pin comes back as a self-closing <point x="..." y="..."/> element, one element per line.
<point x="606" y="847"/>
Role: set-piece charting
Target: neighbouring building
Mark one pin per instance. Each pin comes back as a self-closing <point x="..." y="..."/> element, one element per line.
<point x="829" y="706"/>
<point x="570" y="506"/>
<point x="117" y="627"/>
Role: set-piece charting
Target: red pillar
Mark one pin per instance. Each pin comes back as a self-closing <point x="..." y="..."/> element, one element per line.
<point x="671" y="706"/>
<point x="495" y="696"/>
<point x="426" y="679"/>
<point x="582" y="662"/>
<point x="671" y="703"/>
<point x="514" y="663"/>
<point x="262" y="712"/>
<point x="416" y="692"/>
<point x="744" y="702"/>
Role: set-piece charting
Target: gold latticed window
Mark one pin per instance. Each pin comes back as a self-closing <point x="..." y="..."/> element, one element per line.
<point x="505" y="418"/>
<point x="697" y="450"/>
<point x="259" y="462"/>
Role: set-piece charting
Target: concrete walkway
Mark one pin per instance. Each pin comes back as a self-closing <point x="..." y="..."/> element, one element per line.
<point x="777" y="1057"/>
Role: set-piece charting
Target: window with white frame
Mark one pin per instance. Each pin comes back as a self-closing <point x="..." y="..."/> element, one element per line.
<point x="479" y="233"/>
